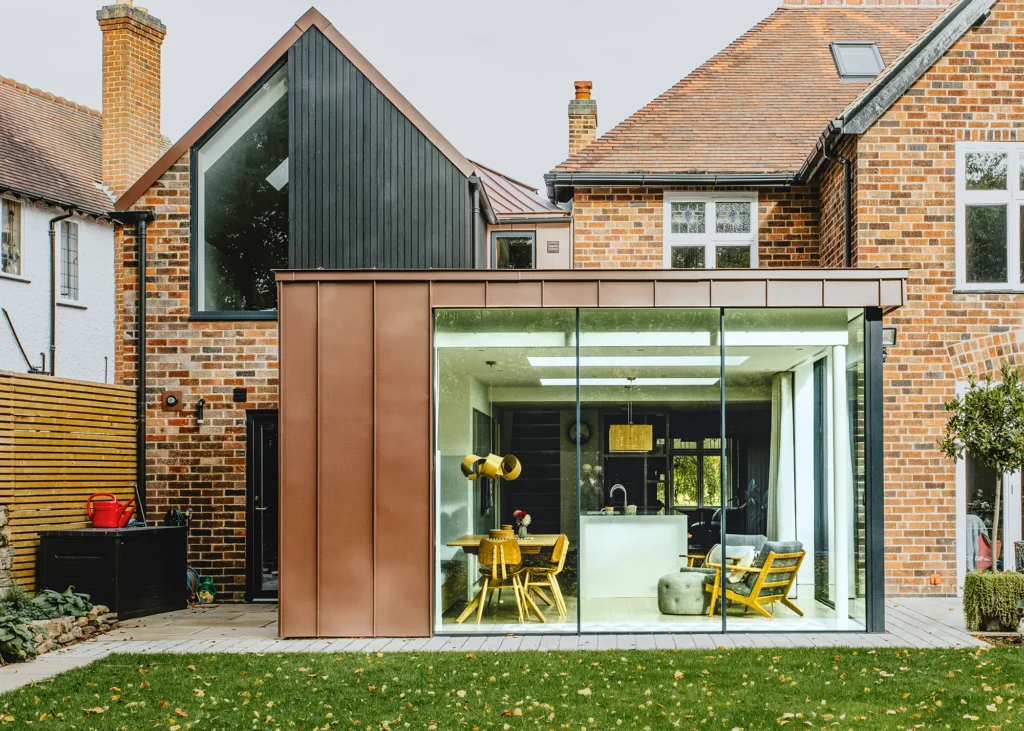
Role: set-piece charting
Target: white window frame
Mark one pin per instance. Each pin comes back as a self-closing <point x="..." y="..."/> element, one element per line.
<point x="20" y="216"/>
<point x="709" y="239"/>
<point x="1012" y="198"/>
<point x="67" y="226"/>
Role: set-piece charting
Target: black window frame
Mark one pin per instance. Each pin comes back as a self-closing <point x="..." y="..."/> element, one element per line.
<point x="531" y="234"/>
<point x="193" y="248"/>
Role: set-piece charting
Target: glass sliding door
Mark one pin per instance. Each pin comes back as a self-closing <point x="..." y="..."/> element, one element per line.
<point x="650" y="470"/>
<point x="794" y="519"/>
<point x="504" y="450"/>
<point x="649" y="398"/>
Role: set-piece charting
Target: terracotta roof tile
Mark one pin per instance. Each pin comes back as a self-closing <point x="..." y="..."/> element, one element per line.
<point x="759" y="105"/>
<point x="50" y="147"/>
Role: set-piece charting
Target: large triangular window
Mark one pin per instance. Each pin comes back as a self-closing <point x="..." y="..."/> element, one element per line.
<point x="242" y="200"/>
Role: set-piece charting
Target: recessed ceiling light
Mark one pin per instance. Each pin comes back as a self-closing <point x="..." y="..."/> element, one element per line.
<point x="629" y="381"/>
<point x="635" y="361"/>
<point x="785" y="339"/>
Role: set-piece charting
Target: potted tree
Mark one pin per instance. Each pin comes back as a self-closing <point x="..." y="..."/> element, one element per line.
<point x="987" y="423"/>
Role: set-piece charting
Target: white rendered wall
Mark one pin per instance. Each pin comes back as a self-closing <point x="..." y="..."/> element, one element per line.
<point x="85" y="329"/>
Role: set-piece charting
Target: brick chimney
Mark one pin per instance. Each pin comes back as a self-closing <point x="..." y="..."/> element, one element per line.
<point x="131" y="93"/>
<point x="867" y="3"/>
<point x="582" y="117"/>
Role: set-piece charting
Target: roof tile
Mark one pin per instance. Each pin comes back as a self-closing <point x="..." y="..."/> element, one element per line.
<point x="759" y="105"/>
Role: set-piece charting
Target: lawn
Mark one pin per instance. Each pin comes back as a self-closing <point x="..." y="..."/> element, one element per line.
<point x="827" y="688"/>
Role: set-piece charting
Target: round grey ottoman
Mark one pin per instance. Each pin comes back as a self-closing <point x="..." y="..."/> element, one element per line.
<point x="683" y="593"/>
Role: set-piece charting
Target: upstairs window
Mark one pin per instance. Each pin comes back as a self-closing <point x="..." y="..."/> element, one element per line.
<point x="708" y="231"/>
<point x="69" y="260"/>
<point x="989" y="206"/>
<point x="514" y="250"/>
<point x="242" y="196"/>
<point x="10" y="237"/>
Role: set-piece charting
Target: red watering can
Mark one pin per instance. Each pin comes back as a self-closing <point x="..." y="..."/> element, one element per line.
<point x="108" y="513"/>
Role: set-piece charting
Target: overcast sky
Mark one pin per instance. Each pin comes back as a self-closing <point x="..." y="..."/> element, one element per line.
<point x="493" y="77"/>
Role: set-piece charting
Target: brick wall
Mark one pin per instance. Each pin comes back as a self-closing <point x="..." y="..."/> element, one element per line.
<point x="833" y="207"/>
<point x="906" y="199"/>
<point x="131" y="139"/>
<point x="201" y="469"/>
<point x="624" y="227"/>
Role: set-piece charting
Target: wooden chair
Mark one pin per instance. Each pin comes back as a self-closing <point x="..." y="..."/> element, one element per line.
<point x="763" y="585"/>
<point x="535" y="577"/>
<point x="499" y="567"/>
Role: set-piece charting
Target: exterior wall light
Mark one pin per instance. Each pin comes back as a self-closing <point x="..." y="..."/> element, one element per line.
<point x="888" y="341"/>
<point x="200" y="405"/>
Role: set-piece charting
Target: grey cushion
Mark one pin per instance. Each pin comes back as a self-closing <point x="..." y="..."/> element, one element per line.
<point x="683" y="593"/>
<point x="742" y="539"/>
<point x="762" y="556"/>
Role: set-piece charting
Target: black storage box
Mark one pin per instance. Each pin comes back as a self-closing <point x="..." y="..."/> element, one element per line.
<point x="134" y="571"/>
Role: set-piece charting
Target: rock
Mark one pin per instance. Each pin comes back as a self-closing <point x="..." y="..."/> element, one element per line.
<point x="82" y="621"/>
<point x="97" y="610"/>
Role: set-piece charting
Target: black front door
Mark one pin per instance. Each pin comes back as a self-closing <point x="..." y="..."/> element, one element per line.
<point x="261" y="506"/>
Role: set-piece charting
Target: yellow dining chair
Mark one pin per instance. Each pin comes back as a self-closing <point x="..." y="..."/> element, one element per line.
<point x="500" y="566"/>
<point x="536" y="577"/>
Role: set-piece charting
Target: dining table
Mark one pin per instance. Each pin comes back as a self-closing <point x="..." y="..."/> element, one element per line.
<point x="531" y="544"/>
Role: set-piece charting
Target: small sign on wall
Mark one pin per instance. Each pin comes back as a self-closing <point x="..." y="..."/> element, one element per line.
<point x="552" y="247"/>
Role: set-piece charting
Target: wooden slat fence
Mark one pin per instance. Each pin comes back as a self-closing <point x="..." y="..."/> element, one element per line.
<point x="60" y="441"/>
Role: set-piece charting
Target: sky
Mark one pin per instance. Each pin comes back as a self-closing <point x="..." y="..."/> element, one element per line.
<point x="494" y="77"/>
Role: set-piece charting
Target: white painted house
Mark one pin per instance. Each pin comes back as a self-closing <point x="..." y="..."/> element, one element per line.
<point x="50" y="166"/>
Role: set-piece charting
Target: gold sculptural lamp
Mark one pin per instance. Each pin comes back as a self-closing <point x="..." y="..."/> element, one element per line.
<point x="491" y="466"/>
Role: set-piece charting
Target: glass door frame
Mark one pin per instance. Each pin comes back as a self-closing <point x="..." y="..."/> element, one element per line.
<point x="873" y="458"/>
<point x="256" y="420"/>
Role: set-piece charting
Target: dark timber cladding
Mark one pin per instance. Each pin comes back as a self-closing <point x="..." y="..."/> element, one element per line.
<point x="366" y="188"/>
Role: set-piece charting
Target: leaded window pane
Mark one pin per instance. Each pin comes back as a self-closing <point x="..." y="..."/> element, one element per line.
<point x="10" y="238"/>
<point x="244" y="203"/>
<point x="986" y="244"/>
<point x="732" y="257"/>
<point x="69" y="260"/>
<point x="986" y="170"/>
<point x="732" y="218"/>
<point x="688" y="217"/>
<point x="688" y="257"/>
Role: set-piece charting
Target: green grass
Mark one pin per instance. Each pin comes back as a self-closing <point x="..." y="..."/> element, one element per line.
<point x="826" y="688"/>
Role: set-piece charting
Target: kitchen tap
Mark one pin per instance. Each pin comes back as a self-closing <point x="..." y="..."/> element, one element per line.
<point x="611" y="496"/>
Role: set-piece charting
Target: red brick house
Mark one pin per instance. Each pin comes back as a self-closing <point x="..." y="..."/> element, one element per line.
<point x="846" y="133"/>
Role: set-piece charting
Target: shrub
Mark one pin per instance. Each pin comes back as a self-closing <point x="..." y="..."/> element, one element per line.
<point x="17" y="641"/>
<point x="57" y="604"/>
<point x="1001" y="615"/>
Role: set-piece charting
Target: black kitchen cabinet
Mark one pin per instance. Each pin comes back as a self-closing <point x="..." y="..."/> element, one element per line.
<point x="134" y="571"/>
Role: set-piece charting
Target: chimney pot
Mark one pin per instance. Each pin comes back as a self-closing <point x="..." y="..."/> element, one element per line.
<point x="583" y="89"/>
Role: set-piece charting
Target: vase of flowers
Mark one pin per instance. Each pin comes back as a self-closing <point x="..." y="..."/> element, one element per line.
<point x="522" y="520"/>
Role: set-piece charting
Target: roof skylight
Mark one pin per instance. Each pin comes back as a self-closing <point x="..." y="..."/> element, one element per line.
<point x="857" y="60"/>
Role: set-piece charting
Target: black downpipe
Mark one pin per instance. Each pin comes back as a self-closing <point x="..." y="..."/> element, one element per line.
<point x="53" y="290"/>
<point x="474" y="189"/>
<point x="140" y="219"/>
<point x="847" y="200"/>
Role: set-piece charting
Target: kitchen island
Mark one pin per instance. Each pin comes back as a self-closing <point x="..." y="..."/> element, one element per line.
<point x="625" y="555"/>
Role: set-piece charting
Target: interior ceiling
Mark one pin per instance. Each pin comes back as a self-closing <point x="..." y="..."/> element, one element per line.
<point x="503" y="366"/>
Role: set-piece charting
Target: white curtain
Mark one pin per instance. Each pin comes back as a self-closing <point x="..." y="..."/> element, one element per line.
<point x="781" y="478"/>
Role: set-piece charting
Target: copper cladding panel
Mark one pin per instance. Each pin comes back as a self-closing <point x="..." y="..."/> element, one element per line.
<point x="794" y="294"/>
<point x="298" y="461"/>
<point x="570" y="294"/>
<point x="345" y="498"/>
<point x="402" y="498"/>
<point x="851" y="294"/>
<point x="626" y="294"/>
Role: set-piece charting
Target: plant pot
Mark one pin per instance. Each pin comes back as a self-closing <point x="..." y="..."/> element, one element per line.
<point x="993" y="600"/>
